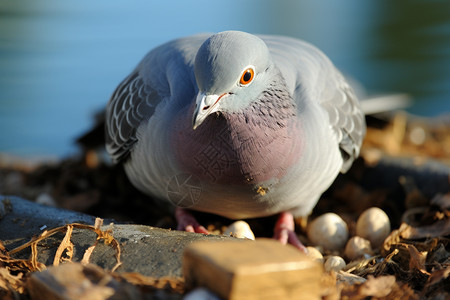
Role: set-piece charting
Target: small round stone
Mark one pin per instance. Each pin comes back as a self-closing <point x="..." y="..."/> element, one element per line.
<point x="314" y="254"/>
<point x="334" y="263"/>
<point x="356" y="247"/>
<point x="45" y="199"/>
<point x="240" y="229"/>
<point x="373" y="225"/>
<point x="201" y="293"/>
<point x="328" y="231"/>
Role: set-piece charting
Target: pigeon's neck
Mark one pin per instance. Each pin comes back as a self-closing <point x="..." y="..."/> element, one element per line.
<point x="249" y="147"/>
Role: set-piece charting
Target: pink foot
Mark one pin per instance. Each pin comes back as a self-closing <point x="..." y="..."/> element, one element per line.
<point x="284" y="231"/>
<point x="187" y="222"/>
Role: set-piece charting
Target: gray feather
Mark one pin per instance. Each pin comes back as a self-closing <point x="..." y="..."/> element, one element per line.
<point x="131" y="103"/>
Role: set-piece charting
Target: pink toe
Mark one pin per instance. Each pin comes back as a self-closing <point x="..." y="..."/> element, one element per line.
<point x="187" y="222"/>
<point x="284" y="231"/>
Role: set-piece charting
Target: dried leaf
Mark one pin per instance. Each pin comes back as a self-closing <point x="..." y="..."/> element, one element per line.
<point x="438" y="254"/>
<point x="437" y="229"/>
<point x="406" y="232"/>
<point x="87" y="254"/>
<point x="348" y="278"/>
<point x="105" y="235"/>
<point x="393" y="238"/>
<point x="436" y="284"/>
<point x="377" y="287"/>
<point x="2" y="248"/>
<point x="438" y="275"/>
<point x="167" y="283"/>
<point x="65" y="245"/>
<point x="383" y="287"/>
<point x="34" y="262"/>
<point x="417" y="259"/>
<point x="11" y="282"/>
<point x="18" y="265"/>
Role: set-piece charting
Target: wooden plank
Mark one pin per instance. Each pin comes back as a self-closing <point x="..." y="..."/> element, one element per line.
<point x="261" y="269"/>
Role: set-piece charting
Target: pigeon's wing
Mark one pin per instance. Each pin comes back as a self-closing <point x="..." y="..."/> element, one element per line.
<point x="346" y="119"/>
<point x="308" y="71"/>
<point x="132" y="102"/>
<point x="164" y="74"/>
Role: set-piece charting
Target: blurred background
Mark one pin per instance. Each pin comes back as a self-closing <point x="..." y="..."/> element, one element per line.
<point x="61" y="60"/>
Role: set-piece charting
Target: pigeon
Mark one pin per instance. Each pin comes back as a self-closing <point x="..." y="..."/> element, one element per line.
<point x="237" y="125"/>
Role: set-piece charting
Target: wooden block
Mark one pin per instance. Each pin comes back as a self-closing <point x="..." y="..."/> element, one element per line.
<point x="261" y="269"/>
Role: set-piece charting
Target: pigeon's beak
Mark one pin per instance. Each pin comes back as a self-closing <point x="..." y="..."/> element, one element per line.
<point x="204" y="106"/>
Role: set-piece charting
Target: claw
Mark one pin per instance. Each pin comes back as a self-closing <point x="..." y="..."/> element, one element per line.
<point x="284" y="231"/>
<point x="187" y="222"/>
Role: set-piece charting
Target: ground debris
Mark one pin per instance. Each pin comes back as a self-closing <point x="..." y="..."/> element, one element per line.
<point x="14" y="274"/>
<point x="66" y="279"/>
<point x="65" y="249"/>
<point x="78" y="281"/>
<point x="382" y="287"/>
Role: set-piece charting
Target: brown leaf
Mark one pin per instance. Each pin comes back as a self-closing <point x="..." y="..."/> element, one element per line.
<point x="417" y="259"/>
<point x="377" y="287"/>
<point x="438" y="275"/>
<point x="393" y="238"/>
<point x="437" y="229"/>
<point x="406" y="232"/>
<point x="438" y="278"/>
<point x="383" y="287"/>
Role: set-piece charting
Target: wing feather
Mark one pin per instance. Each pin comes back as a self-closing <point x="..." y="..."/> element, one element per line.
<point x="347" y="121"/>
<point x="131" y="103"/>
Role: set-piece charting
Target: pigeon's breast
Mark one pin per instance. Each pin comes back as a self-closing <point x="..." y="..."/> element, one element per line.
<point x="238" y="148"/>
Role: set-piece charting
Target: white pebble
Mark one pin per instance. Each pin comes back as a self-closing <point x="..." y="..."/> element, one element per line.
<point x="201" y="294"/>
<point x="418" y="135"/>
<point x="314" y="254"/>
<point x="240" y="229"/>
<point x="373" y="225"/>
<point x="45" y="199"/>
<point x="334" y="263"/>
<point x="329" y="231"/>
<point x="356" y="247"/>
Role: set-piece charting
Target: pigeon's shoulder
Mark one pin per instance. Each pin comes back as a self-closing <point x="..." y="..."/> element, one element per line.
<point x="164" y="74"/>
<point x="314" y="80"/>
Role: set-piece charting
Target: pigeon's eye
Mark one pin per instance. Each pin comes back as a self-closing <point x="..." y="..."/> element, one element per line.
<point x="247" y="76"/>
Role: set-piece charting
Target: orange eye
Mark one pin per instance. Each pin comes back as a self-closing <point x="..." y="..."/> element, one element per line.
<point x="247" y="76"/>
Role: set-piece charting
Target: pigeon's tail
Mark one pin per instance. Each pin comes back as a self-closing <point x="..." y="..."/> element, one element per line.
<point x="384" y="103"/>
<point x="377" y="103"/>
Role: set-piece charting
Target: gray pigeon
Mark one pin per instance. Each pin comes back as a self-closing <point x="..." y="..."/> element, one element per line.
<point x="237" y="125"/>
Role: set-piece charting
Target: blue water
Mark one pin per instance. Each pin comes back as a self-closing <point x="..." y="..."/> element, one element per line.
<point x="61" y="60"/>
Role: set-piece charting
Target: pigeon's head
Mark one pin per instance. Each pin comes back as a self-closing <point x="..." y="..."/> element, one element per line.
<point x="231" y="70"/>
